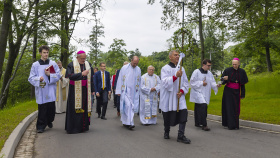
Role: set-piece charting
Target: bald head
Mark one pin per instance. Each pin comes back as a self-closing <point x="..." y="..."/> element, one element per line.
<point x="126" y="62"/>
<point x="134" y="61"/>
<point x="135" y="58"/>
<point x="59" y="64"/>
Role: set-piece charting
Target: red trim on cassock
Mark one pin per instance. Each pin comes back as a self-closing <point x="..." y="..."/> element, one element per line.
<point x="181" y="90"/>
<point x="174" y="78"/>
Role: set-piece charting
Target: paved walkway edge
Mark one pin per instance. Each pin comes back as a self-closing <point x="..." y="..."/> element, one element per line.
<point x="251" y="124"/>
<point x="11" y="143"/>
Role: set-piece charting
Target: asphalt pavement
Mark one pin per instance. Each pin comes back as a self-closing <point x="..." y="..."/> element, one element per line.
<point x="108" y="138"/>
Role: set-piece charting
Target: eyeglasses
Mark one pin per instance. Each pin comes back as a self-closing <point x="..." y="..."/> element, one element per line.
<point x="208" y="65"/>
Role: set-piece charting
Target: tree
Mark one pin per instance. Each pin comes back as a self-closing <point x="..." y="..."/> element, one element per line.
<point x="17" y="32"/>
<point x="252" y="22"/>
<point x="170" y="17"/>
<point x="215" y="39"/>
<point x="117" y="54"/>
<point x="134" y="53"/>
<point x="95" y="44"/>
<point x="62" y="21"/>
<point x="35" y="39"/>
<point x="6" y="20"/>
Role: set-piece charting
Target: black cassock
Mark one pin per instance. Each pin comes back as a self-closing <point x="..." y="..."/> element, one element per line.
<point x="231" y="97"/>
<point x="77" y="122"/>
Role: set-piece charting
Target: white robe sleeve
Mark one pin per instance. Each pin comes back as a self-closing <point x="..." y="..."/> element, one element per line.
<point x="56" y="76"/>
<point x="195" y="82"/>
<point x="119" y="83"/>
<point x="65" y="82"/>
<point x="144" y="89"/>
<point x="166" y="79"/>
<point x="185" y="85"/>
<point x="34" y="79"/>
<point x="158" y="84"/>
<point x="214" y="84"/>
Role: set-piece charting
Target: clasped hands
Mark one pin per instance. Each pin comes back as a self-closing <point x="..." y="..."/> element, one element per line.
<point x="98" y="95"/>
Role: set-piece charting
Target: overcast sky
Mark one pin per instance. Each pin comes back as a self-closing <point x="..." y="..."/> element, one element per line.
<point x="134" y="21"/>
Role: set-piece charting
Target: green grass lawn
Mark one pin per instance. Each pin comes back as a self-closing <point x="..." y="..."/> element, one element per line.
<point x="11" y="117"/>
<point x="261" y="103"/>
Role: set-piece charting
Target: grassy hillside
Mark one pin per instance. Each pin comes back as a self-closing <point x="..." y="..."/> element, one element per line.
<point x="261" y="103"/>
<point x="11" y="117"/>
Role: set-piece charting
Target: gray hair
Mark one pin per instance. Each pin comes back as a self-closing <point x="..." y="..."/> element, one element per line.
<point x="172" y="51"/>
<point x="151" y="66"/>
<point x="58" y="61"/>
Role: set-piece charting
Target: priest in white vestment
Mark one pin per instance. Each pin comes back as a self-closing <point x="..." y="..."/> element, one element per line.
<point x="62" y="87"/>
<point x="150" y="87"/>
<point x="202" y="81"/>
<point x="128" y="88"/>
<point x="170" y="94"/>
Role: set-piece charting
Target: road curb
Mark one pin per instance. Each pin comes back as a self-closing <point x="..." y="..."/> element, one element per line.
<point x="251" y="124"/>
<point x="11" y="143"/>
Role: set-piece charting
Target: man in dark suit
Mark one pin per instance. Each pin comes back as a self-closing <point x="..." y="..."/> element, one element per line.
<point x="102" y="89"/>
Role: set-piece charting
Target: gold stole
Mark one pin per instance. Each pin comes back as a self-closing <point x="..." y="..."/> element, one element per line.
<point x="78" y="88"/>
<point x="62" y="73"/>
<point x="147" y="100"/>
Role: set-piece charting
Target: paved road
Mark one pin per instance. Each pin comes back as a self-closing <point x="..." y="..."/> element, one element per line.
<point x="108" y="138"/>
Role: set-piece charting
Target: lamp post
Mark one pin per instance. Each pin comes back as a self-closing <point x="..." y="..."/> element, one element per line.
<point x="183" y="3"/>
<point x="210" y="52"/>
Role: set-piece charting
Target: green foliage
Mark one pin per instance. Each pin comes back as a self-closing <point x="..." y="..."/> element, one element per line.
<point x="215" y="39"/>
<point x="95" y="44"/>
<point x="253" y="23"/>
<point x="261" y="102"/>
<point x="134" y="53"/>
<point x="11" y="117"/>
<point x="157" y="59"/>
<point x="116" y="55"/>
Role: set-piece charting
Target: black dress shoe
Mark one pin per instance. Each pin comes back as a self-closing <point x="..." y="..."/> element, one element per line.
<point x="205" y="128"/>
<point x="103" y="118"/>
<point x="40" y="130"/>
<point x="99" y="116"/>
<point x="166" y="135"/>
<point x="183" y="139"/>
<point x="50" y="125"/>
<point x="131" y="127"/>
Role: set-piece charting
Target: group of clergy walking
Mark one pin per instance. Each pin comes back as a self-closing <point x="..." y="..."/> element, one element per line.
<point x="133" y="93"/>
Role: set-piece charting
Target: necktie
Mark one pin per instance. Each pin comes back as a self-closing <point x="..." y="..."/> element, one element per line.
<point x="103" y="80"/>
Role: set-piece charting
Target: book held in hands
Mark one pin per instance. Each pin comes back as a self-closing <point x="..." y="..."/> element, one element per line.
<point x="51" y="68"/>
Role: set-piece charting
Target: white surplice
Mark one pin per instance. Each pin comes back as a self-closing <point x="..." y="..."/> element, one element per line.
<point x="169" y="89"/>
<point x="148" y="99"/>
<point x="62" y="92"/>
<point x="199" y="93"/>
<point x="128" y="86"/>
<point x="48" y="93"/>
